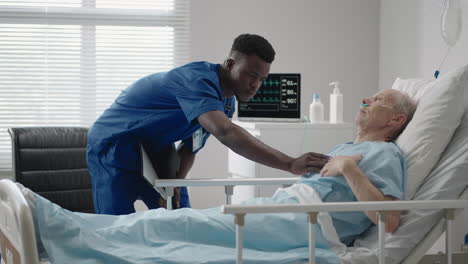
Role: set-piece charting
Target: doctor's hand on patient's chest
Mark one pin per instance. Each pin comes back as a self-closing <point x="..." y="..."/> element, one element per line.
<point x="308" y="162"/>
<point x="337" y="164"/>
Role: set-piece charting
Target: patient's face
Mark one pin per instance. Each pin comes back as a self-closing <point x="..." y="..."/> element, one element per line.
<point x="379" y="110"/>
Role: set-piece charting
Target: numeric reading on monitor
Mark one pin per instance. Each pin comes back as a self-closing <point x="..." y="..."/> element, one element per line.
<point x="289" y="93"/>
<point x="278" y="97"/>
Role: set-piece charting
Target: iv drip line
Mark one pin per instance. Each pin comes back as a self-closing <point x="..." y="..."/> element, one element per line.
<point x="437" y="72"/>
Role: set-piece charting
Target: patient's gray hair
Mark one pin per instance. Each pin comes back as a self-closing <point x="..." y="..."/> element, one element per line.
<point x="404" y="104"/>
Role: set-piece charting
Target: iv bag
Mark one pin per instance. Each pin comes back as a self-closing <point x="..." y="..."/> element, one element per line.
<point x="451" y="22"/>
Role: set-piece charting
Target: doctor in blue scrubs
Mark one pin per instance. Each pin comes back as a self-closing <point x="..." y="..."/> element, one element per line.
<point x="185" y="104"/>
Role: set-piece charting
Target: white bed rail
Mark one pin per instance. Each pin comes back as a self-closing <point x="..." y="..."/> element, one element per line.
<point x="17" y="237"/>
<point x="228" y="184"/>
<point x="239" y="211"/>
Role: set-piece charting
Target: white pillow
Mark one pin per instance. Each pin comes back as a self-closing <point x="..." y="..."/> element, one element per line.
<point x="440" y="107"/>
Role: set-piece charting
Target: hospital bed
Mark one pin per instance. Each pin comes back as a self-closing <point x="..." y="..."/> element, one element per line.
<point x="444" y="224"/>
<point x="430" y="215"/>
<point x="166" y="187"/>
<point x="437" y="201"/>
<point x="18" y="240"/>
<point x="449" y="206"/>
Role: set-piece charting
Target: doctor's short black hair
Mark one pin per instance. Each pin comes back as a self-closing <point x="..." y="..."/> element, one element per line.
<point x="251" y="44"/>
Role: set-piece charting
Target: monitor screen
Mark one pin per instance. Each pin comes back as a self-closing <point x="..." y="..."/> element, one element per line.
<point x="279" y="96"/>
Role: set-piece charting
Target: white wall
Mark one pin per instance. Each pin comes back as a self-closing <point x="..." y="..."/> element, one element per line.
<point x="411" y="46"/>
<point x="6" y="175"/>
<point x="323" y="40"/>
<point x="410" y="40"/>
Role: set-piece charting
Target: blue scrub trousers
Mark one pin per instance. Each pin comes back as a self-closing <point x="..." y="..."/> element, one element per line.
<point x="117" y="180"/>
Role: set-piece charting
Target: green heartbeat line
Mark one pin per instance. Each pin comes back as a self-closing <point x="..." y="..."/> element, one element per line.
<point x="268" y="92"/>
<point x="270" y="82"/>
<point x="264" y="100"/>
<point x="271" y="100"/>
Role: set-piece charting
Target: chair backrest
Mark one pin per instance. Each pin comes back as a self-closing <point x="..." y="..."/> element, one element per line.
<point x="51" y="161"/>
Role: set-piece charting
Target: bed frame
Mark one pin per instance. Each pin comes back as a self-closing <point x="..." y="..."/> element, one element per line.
<point x="416" y="254"/>
<point x="449" y="206"/>
<point x="430" y="238"/>
<point x="18" y="241"/>
<point x="17" y="235"/>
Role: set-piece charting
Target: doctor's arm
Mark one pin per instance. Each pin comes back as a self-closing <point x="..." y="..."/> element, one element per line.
<point x="244" y="144"/>
<point x="362" y="187"/>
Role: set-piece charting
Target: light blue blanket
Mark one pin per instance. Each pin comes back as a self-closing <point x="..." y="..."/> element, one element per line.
<point x="179" y="236"/>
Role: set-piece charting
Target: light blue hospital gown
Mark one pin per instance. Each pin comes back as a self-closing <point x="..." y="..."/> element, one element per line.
<point x="207" y="236"/>
<point x="383" y="163"/>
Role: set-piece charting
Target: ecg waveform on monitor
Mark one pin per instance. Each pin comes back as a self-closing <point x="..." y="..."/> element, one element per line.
<point x="277" y="93"/>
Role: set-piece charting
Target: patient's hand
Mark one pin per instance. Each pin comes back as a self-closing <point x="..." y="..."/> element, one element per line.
<point x="336" y="165"/>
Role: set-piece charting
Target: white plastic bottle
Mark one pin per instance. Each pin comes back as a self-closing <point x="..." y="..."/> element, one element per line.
<point x="336" y="104"/>
<point x="316" y="110"/>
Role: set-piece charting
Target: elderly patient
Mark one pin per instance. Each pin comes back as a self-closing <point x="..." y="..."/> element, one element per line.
<point x="372" y="168"/>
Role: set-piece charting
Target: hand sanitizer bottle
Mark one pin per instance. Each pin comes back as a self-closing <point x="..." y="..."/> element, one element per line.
<point x="336" y="104"/>
<point x="316" y="110"/>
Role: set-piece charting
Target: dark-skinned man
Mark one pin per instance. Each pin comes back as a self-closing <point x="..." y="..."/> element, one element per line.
<point x="185" y="104"/>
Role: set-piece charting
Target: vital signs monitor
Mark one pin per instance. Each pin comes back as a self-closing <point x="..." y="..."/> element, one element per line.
<point x="277" y="99"/>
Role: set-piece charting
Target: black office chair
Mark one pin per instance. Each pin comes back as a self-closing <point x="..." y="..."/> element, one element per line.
<point x="51" y="161"/>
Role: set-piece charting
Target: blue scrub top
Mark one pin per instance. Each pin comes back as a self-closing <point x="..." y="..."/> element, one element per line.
<point x="162" y="108"/>
<point x="385" y="166"/>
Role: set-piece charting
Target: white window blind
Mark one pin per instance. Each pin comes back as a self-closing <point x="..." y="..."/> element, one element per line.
<point x="62" y="63"/>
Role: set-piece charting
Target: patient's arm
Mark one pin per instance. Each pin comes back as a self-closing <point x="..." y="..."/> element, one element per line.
<point x="362" y="188"/>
